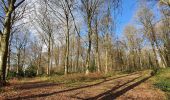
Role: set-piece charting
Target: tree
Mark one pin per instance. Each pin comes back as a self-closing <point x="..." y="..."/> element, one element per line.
<point x="97" y="56"/>
<point x="146" y="19"/>
<point x="36" y="49"/>
<point x="89" y="8"/>
<point x="8" y="9"/>
<point x="107" y="30"/>
<point x="20" y="41"/>
<point x="64" y="18"/>
<point x="134" y="41"/>
<point x="46" y="30"/>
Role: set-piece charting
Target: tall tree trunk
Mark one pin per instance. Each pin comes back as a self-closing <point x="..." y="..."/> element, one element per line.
<point x="97" y="46"/>
<point x="161" y="55"/>
<point x="67" y="48"/>
<point x="134" y="60"/>
<point x="4" y="42"/>
<point x="58" y="56"/>
<point x="155" y="55"/>
<point x="39" y="62"/>
<point x="106" y="54"/>
<point x="106" y="63"/>
<point x="49" y="56"/>
<point x="4" y="55"/>
<point x="18" y="61"/>
<point x="157" y="47"/>
<point x="78" y="52"/>
<point x="140" y="59"/>
<point x="89" y="47"/>
<point x="9" y="62"/>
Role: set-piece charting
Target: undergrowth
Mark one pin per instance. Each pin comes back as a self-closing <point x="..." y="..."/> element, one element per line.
<point x="162" y="81"/>
<point x="72" y="78"/>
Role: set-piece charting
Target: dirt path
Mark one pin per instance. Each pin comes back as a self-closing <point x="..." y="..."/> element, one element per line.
<point x="128" y="87"/>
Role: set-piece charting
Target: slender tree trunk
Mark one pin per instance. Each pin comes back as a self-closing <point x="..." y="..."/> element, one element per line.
<point x="51" y="53"/>
<point x="106" y="54"/>
<point x="72" y="54"/>
<point x="140" y="59"/>
<point x="134" y="61"/>
<point x="97" y="47"/>
<point x="106" y="64"/>
<point x="67" y="48"/>
<point x="49" y="56"/>
<point x="39" y="62"/>
<point x="78" y="52"/>
<point x="18" y="62"/>
<point x="98" y="61"/>
<point x="58" y="56"/>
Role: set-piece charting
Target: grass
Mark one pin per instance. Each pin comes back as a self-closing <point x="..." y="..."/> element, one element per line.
<point x="80" y="79"/>
<point x="162" y="81"/>
<point x="73" y="80"/>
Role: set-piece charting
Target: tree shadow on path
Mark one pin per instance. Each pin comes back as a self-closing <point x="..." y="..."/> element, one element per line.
<point x="34" y="85"/>
<point x="108" y="95"/>
<point x="67" y="90"/>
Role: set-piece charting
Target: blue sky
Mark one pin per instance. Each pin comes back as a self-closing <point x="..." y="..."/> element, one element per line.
<point x="127" y="12"/>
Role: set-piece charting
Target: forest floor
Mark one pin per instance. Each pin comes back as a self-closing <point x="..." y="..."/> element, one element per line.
<point x="135" y="86"/>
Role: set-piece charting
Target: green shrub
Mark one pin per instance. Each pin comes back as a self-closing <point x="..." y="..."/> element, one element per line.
<point x="164" y="85"/>
<point x="30" y="71"/>
<point x="11" y="74"/>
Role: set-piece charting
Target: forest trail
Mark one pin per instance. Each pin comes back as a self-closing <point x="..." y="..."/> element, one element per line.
<point x="127" y="87"/>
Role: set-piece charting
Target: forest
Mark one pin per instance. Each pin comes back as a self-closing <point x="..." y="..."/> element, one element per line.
<point x="85" y="49"/>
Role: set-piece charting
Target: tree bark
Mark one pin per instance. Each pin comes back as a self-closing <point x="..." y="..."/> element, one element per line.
<point x="9" y="61"/>
<point x="97" y="46"/>
<point x="39" y="61"/>
<point x="67" y="47"/>
<point x="106" y="53"/>
<point x="89" y="47"/>
<point x="78" y="52"/>
<point x="18" y="62"/>
<point x="4" y="42"/>
<point x="155" y="55"/>
<point x="49" y="55"/>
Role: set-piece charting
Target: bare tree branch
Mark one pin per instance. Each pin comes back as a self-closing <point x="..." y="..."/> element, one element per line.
<point x="5" y="7"/>
<point x="17" y="5"/>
